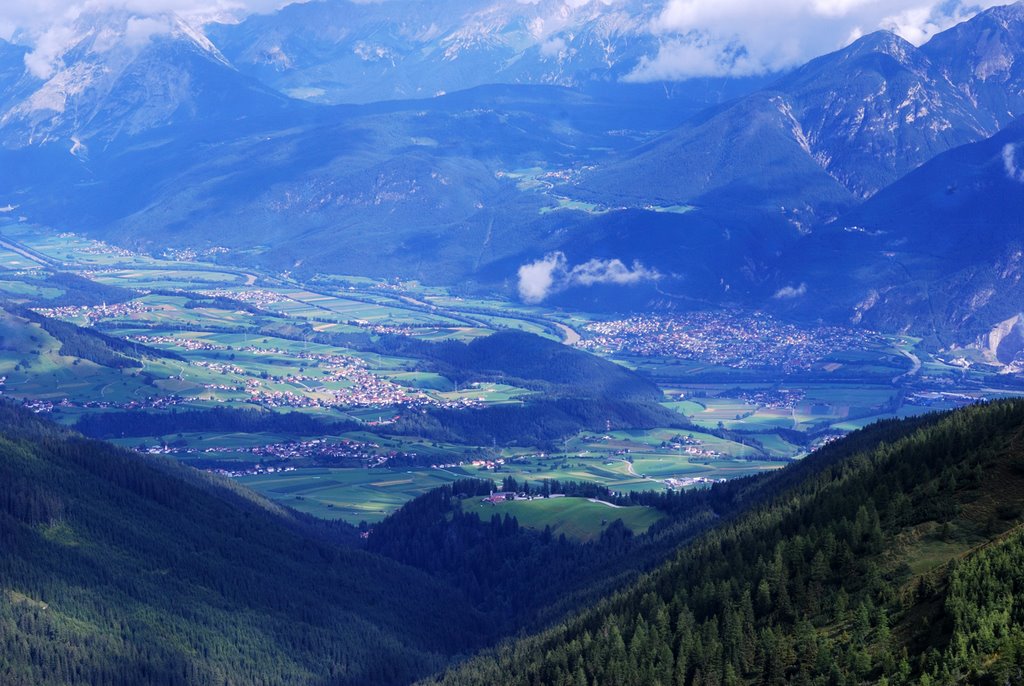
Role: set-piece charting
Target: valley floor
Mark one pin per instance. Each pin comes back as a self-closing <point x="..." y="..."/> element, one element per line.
<point x="748" y="392"/>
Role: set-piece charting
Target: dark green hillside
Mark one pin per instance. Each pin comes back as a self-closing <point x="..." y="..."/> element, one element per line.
<point x="524" y="578"/>
<point x="117" y="569"/>
<point x="539" y="423"/>
<point x="891" y="557"/>
<point x="526" y="360"/>
<point x="88" y="344"/>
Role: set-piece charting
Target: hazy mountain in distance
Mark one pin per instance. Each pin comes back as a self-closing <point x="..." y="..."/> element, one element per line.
<point x="118" y="75"/>
<point x="426" y="188"/>
<point x="337" y="51"/>
<point x="422" y="188"/>
<point x="862" y="116"/>
<point x="470" y="186"/>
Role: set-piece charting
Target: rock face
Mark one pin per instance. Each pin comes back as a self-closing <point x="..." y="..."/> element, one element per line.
<point x="863" y="116"/>
<point x="1005" y="342"/>
<point x="118" y="74"/>
<point x="340" y="51"/>
<point x="941" y="249"/>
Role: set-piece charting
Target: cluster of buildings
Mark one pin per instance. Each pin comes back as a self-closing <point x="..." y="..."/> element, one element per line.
<point x="780" y="398"/>
<point x="190" y="344"/>
<point x="701" y="452"/>
<point x="37" y="406"/>
<point x="258" y="297"/>
<point x="94" y="247"/>
<point x="151" y="403"/>
<point x="369" y="453"/>
<point x="252" y="471"/>
<point x="219" y="367"/>
<point x="359" y="387"/>
<point x="941" y="399"/>
<point x="727" y="339"/>
<point x="93" y="313"/>
<point x="377" y="328"/>
<point x="691" y="481"/>
<point x="488" y="464"/>
<point x="191" y="254"/>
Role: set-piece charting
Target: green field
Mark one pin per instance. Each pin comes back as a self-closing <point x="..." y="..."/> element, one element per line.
<point x="264" y="355"/>
<point x="640" y="470"/>
<point x="649" y="440"/>
<point x="353" y="495"/>
<point x="577" y="518"/>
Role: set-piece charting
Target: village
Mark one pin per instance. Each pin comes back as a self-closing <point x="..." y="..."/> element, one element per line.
<point x="89" y="315"/>
<point x="729" y="339"/>
<point x="367" y="454"/>
<point x="190" y="344"/>
<point x="780" y="398"/>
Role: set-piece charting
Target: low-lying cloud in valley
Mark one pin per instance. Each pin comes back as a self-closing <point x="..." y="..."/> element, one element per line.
<point x="790" y="292"/>
<point x="552" y="274"/>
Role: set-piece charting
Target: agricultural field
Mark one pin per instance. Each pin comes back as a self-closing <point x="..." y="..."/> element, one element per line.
<point x="354" y="495"/>
<point x="629" y="467"/>
<point x="198" y="335"/>
<point x="578" y="518"/>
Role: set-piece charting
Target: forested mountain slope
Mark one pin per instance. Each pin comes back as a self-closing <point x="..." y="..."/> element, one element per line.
<point x="119" y="569"/>
<point x="891" y="557"/>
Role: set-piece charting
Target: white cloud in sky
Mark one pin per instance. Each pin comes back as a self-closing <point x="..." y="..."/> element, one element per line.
<point x="537" y="278"/>
<point x="743" y="37"/>
<point x="35" y="17"/>
<point x="553" y="47"/>
<point x="695" y="37"/>
<point x="1010" y="163"/>
<point x="790" y="292"/>
<point x="48" y="46"/>
<point x="552" y="273"/>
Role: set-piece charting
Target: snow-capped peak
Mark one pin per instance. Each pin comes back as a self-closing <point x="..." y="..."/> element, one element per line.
<point x="97" y="63"/>
<point x="117" y="34"/>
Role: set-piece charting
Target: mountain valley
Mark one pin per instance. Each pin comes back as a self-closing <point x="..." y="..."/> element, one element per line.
<point x="503" y="342"/>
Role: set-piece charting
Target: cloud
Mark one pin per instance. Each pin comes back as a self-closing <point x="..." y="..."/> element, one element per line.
<point x="553" y="47"/>
<point x="693" y="37"/>
<point x="537" y="279"/>
<point x="49" y="46"/>
<point x="695" y="55"/>
<point x="744" y="37"/>
<point x="610" y="271"/>
<point x="790" y="292"/>
<point x="1010" y="163"/>
<point x="139" y="31"/>
<point x="552" y="273"/>
<point x="28" y="20"/>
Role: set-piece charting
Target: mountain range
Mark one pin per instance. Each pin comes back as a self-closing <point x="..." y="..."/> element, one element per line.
<point x="723" y="191"/>
<point x="351" y="52"/>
